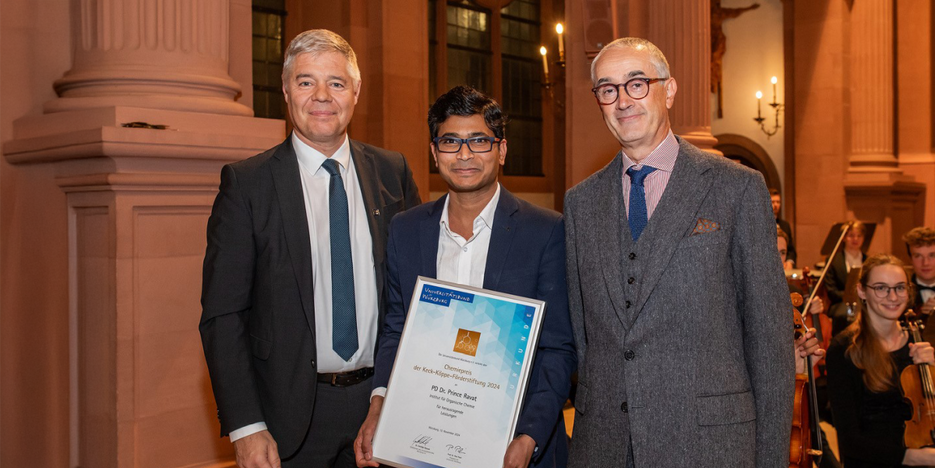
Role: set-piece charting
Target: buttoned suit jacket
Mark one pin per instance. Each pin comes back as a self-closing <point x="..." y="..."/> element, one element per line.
<point x="258" y="315"/>
<point x="526" y="257"/>
<point x="684" y="338"/>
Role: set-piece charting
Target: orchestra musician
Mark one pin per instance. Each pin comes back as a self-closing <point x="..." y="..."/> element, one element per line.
<point x="847" y="259"/>
<point x="864" y="364"/>
<point x="806" y="345"/>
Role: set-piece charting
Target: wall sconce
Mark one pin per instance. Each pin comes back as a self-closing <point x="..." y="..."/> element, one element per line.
<point x="776" y="105"/>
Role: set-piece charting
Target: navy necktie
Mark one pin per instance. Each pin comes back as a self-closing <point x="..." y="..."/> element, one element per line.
<point x="636" y="212"/>
<point x="343" y="310"/>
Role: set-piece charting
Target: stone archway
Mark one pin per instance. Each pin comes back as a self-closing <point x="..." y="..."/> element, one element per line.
<point x="749" y="153"/>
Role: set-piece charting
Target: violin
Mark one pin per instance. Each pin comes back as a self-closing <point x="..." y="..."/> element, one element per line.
<point x="805" y="443"/>
<point x="919" y="391"/>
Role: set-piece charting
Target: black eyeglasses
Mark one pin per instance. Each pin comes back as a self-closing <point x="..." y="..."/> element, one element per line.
<point x="475" y="144"/>
<point x="882" y="291"/>
<point x="636" y="88"/>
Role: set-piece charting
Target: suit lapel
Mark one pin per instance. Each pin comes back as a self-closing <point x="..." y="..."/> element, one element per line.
<point x="501" y="238"/>
<point x="428" y="237"/>
<point x="614" y="231"/>
<point x="366" y="179"/>
<point x="285" y="171"/>
<point x="674" y="217"/>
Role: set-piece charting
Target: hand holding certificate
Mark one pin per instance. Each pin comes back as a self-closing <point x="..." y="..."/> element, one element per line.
<point x="459" y="378"/>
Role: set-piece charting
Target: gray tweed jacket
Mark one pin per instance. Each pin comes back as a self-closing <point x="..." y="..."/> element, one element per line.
<point x="685" y="337"/>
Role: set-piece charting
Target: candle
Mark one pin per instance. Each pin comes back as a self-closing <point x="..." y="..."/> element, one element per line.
<point x="773" y="80"/>
<point x="545" y="62"/>
<point x="759" y="97"/>
<point x="561" y="41"/>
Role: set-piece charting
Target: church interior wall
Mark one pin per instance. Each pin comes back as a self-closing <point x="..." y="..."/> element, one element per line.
<point x="754" y="54"/>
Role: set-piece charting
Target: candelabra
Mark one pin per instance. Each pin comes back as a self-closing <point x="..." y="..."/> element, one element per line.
<point x="777" y="107"/>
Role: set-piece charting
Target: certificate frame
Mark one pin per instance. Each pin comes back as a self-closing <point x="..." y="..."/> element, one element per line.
<point x="459" y="378"/>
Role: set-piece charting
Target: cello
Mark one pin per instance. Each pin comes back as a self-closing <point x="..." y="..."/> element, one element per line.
<point x="805" y="444"/>
<point x="919" y="391"/>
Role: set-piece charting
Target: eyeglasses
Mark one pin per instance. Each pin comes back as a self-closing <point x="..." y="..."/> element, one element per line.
<point x="475" y="144"/>
<point x="636" y="88"/>
<point x="881" y="291"/>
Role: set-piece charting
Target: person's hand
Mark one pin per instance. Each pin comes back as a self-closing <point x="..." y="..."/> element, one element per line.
<point x="807" y="345"/>
<point x="519" y="452"/>
<point x="919" y="457"/>
<point x="922" y="353"/>
<point x="257" y="450"/>
<point x="788" y="265"/>
<point x="817" y="306"/>
<point x="927" y="307"/>
<point x="363" y="444"/>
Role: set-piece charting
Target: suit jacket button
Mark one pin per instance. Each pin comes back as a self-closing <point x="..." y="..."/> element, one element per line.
<point x="632" y="256"/>
<point x="313" y="363"/>
<point x="629" y="355"/>
<point x="624" y="407"/>
<point x="628" y="304"/>
<point x="630" y="280"/>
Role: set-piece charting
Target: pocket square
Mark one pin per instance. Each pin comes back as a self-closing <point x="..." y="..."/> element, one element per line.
<point x="705" y="226"/>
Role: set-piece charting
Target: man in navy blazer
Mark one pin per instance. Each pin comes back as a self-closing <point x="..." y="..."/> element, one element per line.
<point x="481" y="235"/>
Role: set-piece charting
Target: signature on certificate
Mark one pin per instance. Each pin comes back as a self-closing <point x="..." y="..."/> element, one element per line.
<point x="421" y="440"/>
<point x="455" y="449"/>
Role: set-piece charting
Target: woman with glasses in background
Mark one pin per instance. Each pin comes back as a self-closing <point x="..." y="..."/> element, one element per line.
<point x="864" y="363"/>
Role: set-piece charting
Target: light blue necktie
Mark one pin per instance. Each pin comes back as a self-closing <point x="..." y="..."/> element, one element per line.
<point x="637" y="215"/>
<point x="343" y="310"/>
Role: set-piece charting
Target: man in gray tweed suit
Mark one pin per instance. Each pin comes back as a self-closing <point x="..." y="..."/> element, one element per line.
<point x="680" y="310"/>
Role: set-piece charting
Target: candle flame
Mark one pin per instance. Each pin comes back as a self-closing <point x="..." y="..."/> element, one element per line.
<point x="773" y="80"/>
<point x="759" y="94"/>
<point x="559" y="28"/>
<point x="542" y="51"/>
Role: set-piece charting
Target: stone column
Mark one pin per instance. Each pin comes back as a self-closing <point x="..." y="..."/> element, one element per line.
<point x="875" y="188"/>
<point x="682" y="30"/>
<point x="872" y="91"/>
<point x="169" y="54"/>
<point x="136" y="202"/>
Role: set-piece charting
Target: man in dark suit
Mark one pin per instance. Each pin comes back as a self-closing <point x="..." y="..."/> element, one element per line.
<point x="481" y="235"/>
<point x="920" y="243"/>
<point x="677" y="297"/>
<point x="293" y="274"/>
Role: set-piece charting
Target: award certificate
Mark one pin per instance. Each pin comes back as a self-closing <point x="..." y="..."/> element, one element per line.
<point x="459" y="379"/>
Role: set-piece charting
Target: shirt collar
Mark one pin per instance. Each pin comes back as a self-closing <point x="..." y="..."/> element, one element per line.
<point x="485" y="217"/>
<point x="662" y="157"/>
<point x="920" y="283"/>
<point x="312" y="159"/>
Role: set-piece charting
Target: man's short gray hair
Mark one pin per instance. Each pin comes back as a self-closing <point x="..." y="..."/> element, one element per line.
<point x="316" y="41"/>
<point x="656" y="56"/>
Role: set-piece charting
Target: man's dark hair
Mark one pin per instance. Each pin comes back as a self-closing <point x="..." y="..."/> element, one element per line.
<point x="466" y="101"/>
<point x="774" y="191"/>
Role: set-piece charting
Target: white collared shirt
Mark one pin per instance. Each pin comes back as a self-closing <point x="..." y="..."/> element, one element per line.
<point x="461" y="260"/>
<point x="458" y="260"/>
<point x="315" y="182"/>
<point x="926" y="293"/>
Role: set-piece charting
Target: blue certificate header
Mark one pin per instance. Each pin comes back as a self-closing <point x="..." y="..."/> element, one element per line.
<point x="443" y="296"/>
